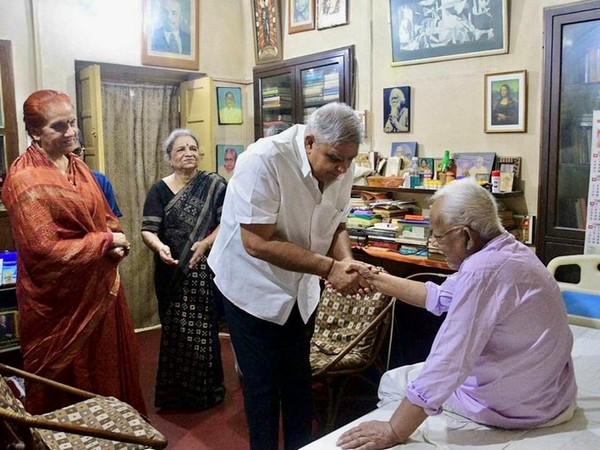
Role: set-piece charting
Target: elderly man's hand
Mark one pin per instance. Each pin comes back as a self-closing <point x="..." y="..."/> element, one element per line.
<point x="373" y="435"/>
<point x="345" y="278"/>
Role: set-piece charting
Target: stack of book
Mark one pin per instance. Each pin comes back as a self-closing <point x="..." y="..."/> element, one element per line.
<point x="383" y="235"/>
<point x="434" y="253"/>
<point x="395" y="209"/>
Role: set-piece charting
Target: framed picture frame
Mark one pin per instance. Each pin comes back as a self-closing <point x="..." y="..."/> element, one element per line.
<point x="226" y="159"/>
<point x="428" y="31"/>
<point x="505" y="105"/>
<point x="478" y="165"/>
<point x="331" y="13"/>
<point x="170" y="33"/>
<point x="301" y="14"/>
<point x="267" y="31"/>
<point x="9" y="330"/>
<point x="229" y="105"/>
<point x="396" y="109"/>
<point x="405" y="151"/>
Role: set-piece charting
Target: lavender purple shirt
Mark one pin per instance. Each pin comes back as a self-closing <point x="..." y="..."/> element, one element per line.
<point x="502" y="357"/>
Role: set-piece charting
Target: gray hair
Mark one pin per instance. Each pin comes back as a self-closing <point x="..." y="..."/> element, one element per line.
<point x="277" y="128"/>
<point x="333" y="124"/>
<point x="168" y="145"/>
<point x="466" y="203"/>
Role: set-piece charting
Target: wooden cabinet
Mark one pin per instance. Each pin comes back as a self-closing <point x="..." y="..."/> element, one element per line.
<point x="289" y="91"/>
<point x="571" y="92"/>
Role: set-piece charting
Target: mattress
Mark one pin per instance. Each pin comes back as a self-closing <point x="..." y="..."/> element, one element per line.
<point x="451" y="431"/>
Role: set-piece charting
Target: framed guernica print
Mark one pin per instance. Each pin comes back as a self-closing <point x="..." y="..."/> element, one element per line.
<point x="437" y="30"/>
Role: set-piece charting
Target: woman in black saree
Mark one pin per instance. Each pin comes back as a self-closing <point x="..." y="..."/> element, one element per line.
<point x="181" y="220"/>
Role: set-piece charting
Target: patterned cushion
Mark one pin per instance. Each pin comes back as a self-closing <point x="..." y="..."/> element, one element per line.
<point x="340" y="319"/>
<point x="9" y="401"/>
<point x="107" y="413"/>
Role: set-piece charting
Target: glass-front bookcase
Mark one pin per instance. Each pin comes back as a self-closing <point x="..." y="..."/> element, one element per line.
<point x="571" y="93"/>
<point x="290" y="91"/>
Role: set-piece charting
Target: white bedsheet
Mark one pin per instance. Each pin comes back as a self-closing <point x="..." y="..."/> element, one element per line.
<point x="451" y="431"/>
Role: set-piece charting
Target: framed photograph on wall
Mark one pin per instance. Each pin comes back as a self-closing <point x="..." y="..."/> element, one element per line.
<point x="170" y="34"/>
<point x="267" y="31"/>
<point x="226" y="158"/>
<point x="9" y="329"/>
<point x="505" y="105"/>
<point x="331" y="13"/>
<point x="229" y="104"/>
<point x="301" y="14"/>
<point x="396" y="109"/>
<point x="428" y="31"/>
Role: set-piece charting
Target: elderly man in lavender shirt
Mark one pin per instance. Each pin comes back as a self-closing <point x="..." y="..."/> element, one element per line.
<point x="502" y="355"/>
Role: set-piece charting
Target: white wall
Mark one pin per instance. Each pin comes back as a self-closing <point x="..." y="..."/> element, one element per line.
<point x="447" y="97"/>
<point x="49" y="35"/>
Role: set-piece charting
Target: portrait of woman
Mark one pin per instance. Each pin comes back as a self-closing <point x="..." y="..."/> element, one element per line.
<point x="506" y="109"/>
<point x="181" y="219"/>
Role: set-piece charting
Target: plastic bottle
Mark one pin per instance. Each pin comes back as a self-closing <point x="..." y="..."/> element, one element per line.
<point x="445" y="167"/>
<point x="495" y="181"/>
<point x="415" y="174"/>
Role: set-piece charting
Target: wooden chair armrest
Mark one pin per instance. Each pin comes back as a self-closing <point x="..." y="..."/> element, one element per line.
<point x="384" y="312"/>
<point x="38" y="379"/>
<point x="40" y="422"/>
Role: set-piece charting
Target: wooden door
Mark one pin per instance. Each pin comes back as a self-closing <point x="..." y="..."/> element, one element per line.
<point x="197" y="106"/>
<point x="90" y="116"/>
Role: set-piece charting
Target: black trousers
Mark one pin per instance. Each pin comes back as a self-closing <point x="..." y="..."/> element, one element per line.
<point x="275" y="365"/>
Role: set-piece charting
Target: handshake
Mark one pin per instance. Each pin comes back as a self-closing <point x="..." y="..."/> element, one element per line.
<point x="351" y="277"/>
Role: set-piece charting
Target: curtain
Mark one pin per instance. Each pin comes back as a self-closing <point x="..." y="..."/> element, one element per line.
<point x="137" y="120"/>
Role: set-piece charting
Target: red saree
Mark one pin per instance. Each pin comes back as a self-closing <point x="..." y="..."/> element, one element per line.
<point x="74" y="323"/>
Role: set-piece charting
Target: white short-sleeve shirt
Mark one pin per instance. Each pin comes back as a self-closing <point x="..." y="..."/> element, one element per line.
<point x="273" y="184"/>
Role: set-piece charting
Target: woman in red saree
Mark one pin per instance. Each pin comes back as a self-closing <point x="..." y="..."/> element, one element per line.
<point x="75" y="327"/>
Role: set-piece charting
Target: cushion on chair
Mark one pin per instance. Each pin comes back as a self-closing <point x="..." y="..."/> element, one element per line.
<point x="340" y="319"/>
<point x="10" y="402"/>
<point x="107" y="413"/>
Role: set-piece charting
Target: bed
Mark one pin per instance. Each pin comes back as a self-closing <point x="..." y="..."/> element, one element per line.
<point x="451" y="431"/>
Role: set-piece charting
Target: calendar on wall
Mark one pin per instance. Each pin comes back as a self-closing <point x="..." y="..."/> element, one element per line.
<point x="592" y="229"/>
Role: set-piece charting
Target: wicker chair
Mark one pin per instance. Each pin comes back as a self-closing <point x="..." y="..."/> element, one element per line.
<point x="94" y="423"/>
<point x="349" y="333"/>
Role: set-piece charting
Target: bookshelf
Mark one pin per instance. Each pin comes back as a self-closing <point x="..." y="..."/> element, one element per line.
<point x="290" y="91"/>
<point x="571" y="91"/>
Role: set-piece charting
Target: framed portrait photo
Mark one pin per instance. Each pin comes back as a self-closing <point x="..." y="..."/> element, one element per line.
<point x="505" y="105"/>
<point x="267" y="31"/>
<point x="428" y="31"/>
<point x="405" y="151"/>
<point x="478" y="165"/>
<point x="170" y="34"/>
<point x="229" y="104"/>
<point x="226" y="159"/>
<point x="396" y="109"/>
<point x="331" y="13"/>
<point x="301" y="15"/>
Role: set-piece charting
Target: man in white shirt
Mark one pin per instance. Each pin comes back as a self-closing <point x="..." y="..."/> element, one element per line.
<point x="283" y="227"/>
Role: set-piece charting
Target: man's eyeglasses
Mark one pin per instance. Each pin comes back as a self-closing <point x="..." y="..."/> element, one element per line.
<point x="435" y="240"/>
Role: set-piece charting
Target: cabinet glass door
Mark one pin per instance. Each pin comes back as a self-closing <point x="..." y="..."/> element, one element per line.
<point x="320" y="85"/>
<point x="579" y="96"/>
<point x="276" y="100"/>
